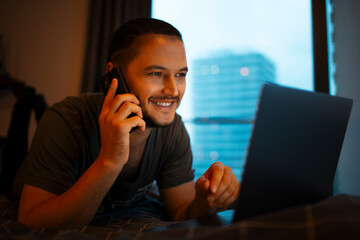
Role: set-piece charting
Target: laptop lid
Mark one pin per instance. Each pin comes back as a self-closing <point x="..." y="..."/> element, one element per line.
<point x="294" y="150"/>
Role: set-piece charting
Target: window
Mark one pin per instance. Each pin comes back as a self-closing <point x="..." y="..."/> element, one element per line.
<point x="233" y="47"/>
<point x="331" y="48"/>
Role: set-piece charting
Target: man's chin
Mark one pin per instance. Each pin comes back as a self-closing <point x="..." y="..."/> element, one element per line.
<point x="153" y="123"/>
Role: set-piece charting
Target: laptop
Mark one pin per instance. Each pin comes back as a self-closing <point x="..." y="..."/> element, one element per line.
<point x="294" y="150"/>
<point x="293" y="153"/>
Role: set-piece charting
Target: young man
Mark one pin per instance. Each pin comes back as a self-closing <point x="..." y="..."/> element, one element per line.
<point x="84" y="161"/>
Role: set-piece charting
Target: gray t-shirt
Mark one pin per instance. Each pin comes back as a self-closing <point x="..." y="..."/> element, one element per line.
<point x="67" y="142"/>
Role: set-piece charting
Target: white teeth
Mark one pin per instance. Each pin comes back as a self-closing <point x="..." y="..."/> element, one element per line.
<point x="163" y="104"/>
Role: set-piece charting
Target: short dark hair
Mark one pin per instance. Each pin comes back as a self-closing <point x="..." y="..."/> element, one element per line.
<point x="124" y="45"/>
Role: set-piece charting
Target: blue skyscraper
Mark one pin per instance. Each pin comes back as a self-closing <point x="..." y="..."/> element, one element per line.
<point x="225" y="93"/>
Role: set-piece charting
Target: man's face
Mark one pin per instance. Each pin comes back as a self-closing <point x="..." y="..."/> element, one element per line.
<point x="157" y="78"/>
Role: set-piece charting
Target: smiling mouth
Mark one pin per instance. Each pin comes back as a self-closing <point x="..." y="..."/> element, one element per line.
<point x="165" y="103"/>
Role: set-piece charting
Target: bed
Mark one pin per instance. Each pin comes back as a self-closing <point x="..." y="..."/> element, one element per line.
<point x="335" y="218"/>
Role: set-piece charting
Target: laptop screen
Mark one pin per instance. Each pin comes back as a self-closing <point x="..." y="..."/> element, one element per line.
<point x="294" y="149"/>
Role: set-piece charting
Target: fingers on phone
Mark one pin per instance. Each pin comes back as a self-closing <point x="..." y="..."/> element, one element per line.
<point x="140" y="123"/>
<point x="121" y="106"/>
<point x="108" y="100"/>
<point x="112" y="89"/>
<point x="122" y="102"/>
<point x="128" y="108"/>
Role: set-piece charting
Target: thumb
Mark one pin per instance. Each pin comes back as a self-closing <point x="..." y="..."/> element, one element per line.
<point x="202" y="185"/>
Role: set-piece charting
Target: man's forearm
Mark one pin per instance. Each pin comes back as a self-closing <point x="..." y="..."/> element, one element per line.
<point x="197" y="208"/>
<point x="77" y="206"/>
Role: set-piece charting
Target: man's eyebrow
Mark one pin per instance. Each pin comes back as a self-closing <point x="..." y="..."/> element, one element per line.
<point x="186" y="69"/>
<point x="163" y="68"/>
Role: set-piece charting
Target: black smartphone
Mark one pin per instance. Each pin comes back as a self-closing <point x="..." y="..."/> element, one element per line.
<point x="122" y="85"/>
<point x="114" y="73"/>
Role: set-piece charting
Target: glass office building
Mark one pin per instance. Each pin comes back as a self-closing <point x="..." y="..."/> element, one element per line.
<point x="225" y="92"/>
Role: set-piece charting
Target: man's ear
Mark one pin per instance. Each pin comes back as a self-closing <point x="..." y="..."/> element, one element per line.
<point x="109" y="66"/>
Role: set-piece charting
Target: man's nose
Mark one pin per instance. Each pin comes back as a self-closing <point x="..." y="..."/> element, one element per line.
<point x="170" y="87"/>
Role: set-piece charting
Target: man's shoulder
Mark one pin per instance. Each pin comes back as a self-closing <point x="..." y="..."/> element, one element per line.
<point x="78" y="113"/>
<point x="83" y="100"/>
<point x="84" y="104"/>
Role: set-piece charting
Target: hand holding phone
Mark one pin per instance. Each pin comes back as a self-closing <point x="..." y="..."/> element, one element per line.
<point x="122" y="85"/>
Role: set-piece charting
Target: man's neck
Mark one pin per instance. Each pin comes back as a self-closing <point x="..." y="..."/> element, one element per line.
<point x="138" y="140"/>
<point x="138" y="137"/>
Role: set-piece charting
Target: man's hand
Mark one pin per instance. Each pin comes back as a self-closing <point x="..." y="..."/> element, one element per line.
<point x="115" y="126"/>
<point x="218" y="187"/>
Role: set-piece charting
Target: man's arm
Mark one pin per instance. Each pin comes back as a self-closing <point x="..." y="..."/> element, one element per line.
<point x="218" y="187"/>
<point x="76" y="207"/>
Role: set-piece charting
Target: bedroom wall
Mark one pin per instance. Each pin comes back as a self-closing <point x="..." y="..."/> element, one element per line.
<point x="43" y="44"/>
<point x="347" y="58"/>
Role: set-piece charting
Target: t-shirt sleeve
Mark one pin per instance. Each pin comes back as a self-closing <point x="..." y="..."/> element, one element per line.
<point x="177" y="168"/>
<point x="52" y="162"/>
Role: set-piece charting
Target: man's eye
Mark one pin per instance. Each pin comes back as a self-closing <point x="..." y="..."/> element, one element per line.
<point x="181" y="75"/>
<point x="156" y="74"/>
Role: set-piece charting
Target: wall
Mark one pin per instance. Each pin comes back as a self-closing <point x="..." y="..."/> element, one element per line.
<point x="346" y="20"/>
<point x="43" y="46"/>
